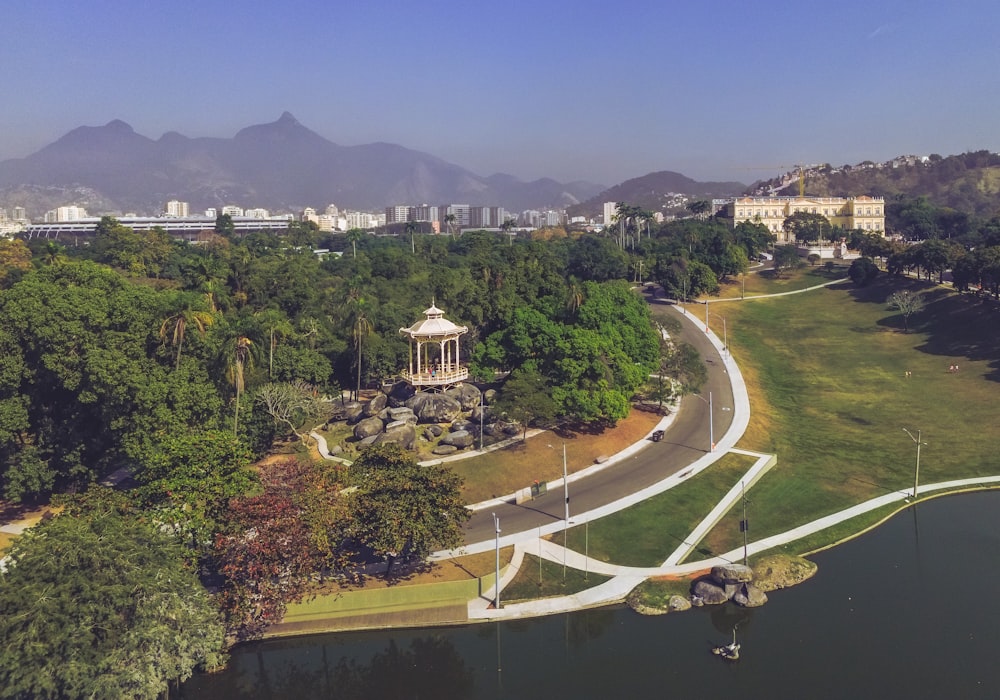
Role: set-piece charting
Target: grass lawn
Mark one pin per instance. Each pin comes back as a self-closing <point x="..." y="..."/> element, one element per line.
<point x="764" y="282"/>
<point x="826" y="371"/>
<point x="647" y="533"/>
<point x="528" y="586"/>
<point x="503" y="471"/>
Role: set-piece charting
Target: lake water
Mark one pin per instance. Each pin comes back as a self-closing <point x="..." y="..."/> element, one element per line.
<point x="910" y="610"/>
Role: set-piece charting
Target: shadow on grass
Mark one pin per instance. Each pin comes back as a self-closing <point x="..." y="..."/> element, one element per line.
<point x="954" y="326"/>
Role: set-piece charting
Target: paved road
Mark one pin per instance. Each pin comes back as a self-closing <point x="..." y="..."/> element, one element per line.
<point x="686" y="440"/>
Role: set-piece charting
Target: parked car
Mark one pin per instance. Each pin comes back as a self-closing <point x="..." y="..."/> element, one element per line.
<point x="656" y="436"/>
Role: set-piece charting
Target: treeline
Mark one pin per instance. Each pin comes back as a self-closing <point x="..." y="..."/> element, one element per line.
<point x="967" y="182"/>
<point x="157" y="362"/>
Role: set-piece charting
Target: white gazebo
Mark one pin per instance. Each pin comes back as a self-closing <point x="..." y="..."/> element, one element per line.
<point x="435" y="361"/>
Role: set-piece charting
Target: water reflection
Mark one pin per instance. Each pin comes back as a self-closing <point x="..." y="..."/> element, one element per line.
<point x="429" y="667"/>
<point x="907" y="610"/>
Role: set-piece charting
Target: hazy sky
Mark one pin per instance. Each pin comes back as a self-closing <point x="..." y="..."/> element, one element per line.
<point x="602" y="91"/>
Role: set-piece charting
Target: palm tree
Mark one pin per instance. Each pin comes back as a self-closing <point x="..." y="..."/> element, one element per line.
<point x="506" y="226"/>
<point x="575" y="296"/>
<point x="277" y="326"/>
<point x="54" y="254"/>
<point x="354" y="235"/>
<point x="176" y="326"/>
<point x="362" y="329"/>
<point x="240" y="357"/>
<point x="411" y="229"/>
<point x="449" y="219"/>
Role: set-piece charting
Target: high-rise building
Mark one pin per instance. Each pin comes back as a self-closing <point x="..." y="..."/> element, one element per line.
<point x="177" y="208"/>
<point x="232" y="210"/>
<point x="610" y="210"/>
<point x="397" y="214"/>
<point x="459" y="211"/>
<point x="331" y="210"/>
<point x="70" y="213"/>
<point x="425" y="212"/>
<point x="20" y="214"/>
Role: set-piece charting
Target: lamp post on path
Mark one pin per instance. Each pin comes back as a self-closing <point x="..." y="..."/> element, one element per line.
<point x="916" y="467"/>
<point x="711" y="420"/>
<point x="496" y="588"/>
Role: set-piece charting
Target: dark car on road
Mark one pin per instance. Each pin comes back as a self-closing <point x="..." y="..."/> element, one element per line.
<point x="656" y="436"/>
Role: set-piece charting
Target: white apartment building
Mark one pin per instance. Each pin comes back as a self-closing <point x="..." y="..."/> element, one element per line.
<point x="232" y="210"/>
<point x="610" y="211"/>
<point x="361" y="219"/>
<point x="70" y="213"/>
<point x="257" y="213"/>
<point x="177" y="208"/>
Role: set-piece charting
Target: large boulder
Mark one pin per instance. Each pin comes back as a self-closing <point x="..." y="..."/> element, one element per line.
<point x="368" y="427"/>
<point x="373" y="407"/>
<point x="481" y="414"/>
<point x="433" y="431"/>
<point x="434" y="408"/>
<point x="732" y="574"/>
<point x="461" y="424"/>
<point x="678" y="603"/>
<point x="467" y="395"/>
<point x="444" y="450"/>
<point x="749" y="596"/>
<point x="399" y="394"/>
<point x="402" y="413"/>
<point x="460" y="439"/>
<point x="348" y="411"/>
<point x="708" y="592"/>
<point x="400" y="433"/>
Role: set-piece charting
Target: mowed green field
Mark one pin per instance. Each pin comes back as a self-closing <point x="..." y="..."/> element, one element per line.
<point x="826" y="371"/>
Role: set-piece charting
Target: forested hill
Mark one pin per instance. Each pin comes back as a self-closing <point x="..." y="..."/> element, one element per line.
<point x="969" y="182"/>
<point x="657" y="192"/>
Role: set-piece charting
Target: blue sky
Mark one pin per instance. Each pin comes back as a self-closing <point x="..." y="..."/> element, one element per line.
<point x="602" y="91"/>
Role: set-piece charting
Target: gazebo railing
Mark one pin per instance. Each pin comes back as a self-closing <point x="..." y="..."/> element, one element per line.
<point x="436" y="377"/>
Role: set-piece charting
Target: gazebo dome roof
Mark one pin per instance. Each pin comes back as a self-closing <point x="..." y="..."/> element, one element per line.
<point x="434" y="326"/>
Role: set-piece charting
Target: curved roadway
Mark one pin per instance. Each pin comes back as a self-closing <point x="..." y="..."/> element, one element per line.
<point x="685" y="441"/>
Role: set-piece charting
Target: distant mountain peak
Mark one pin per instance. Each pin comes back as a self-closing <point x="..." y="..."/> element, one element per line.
<point x="119" y="126"/>
<point x="287" y="118"/>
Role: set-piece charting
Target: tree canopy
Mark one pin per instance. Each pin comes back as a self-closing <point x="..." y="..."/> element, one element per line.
<point x="102" y="605"/>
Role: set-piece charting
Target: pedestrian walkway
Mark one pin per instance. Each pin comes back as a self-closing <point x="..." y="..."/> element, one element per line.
<point x="625" y="578"/>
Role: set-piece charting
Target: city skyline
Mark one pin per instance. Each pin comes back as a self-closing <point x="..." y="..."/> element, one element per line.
<point x="581" y="91"/>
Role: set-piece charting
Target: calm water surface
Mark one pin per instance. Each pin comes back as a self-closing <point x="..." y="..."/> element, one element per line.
<point x="911" y="610"/>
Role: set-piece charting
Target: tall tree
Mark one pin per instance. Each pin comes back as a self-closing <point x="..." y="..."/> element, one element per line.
<point x="404" y="510"/>
<point x="102" y="605"/>
<point x="175" y="326"/>
<point x="906" y="303"/>
<point x="239" y="357"/>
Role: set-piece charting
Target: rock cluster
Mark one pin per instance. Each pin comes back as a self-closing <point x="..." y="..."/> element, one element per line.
<point x="728" y="582"/>
<point x="457" y="414"/>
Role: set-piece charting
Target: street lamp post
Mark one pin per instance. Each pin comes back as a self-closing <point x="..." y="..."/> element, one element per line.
<point x="706" y="315"/>
<point x="725" y="332"/>
<point x="916" y="467"/>
<point x="496" y="587"/>
<point x="565" y="486"/>
<point x="566" y="521"/>
<point x="711" y="421"/>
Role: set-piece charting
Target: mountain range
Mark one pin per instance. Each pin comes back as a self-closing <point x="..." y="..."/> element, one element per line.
<point x="281" y="166"/>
